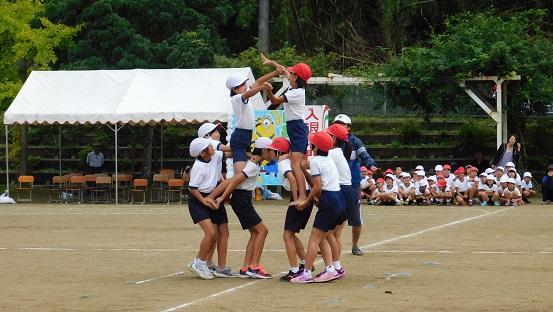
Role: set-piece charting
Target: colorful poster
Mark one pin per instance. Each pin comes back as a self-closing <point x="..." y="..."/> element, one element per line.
<point x="272" y="124"/>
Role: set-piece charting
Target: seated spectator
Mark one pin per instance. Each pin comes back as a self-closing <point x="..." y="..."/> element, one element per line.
<point x="512" y="194"/>
<point x="487" y="190"/>
<point x="406" y="189"/>
<point x="547" y="186"/>
<point x="442" y="193"/>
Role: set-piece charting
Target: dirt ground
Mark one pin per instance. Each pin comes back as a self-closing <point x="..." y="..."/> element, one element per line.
<point x="59" y="257"/>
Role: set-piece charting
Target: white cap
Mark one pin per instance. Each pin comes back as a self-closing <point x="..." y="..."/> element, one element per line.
<point x="489" y="170"/>
<point x="343" y="118"/>
<point x="235" y="81"/>
<point x="420" y="172"/>
<point x="511" y="180"/>
<point x="433" y="178"/>
<point x="207" y="128"/>
<point x="484" y="174"/>
<point x="405" y="175"/>
<point x="262" y="142"/>
<point x="198" y="145"/>
<point x="509" y="164"/>
<point x="500" y="168"/>
<point x="491" y="176"/>
<point x="513" y="169"/>
<point x="503" y="179"/>
<point x="527" y="174"/>
<point x="419" y="167"/>
<point x="438" y="168"/>
<point x="389" y="175"/>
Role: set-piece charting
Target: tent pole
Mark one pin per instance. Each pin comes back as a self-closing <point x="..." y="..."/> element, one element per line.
<point x="116" y="166"/>
<point x="161" y="152"/>
<point x="7" y="164"/>
<point x="59" y="136"/>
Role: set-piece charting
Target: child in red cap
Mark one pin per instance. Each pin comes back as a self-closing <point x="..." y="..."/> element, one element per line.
<point x="294" y="104"/>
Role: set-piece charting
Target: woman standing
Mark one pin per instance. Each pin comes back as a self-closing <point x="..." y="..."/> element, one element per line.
<point x="507" y="152"/>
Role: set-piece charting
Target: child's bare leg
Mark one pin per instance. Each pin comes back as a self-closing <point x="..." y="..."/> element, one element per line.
<point x="300" y="250"/>
<point x="209" y="239"/>
<point x="326" y="250"/>
<point x="222" y="244"/>
<point x="295" y="158"/>
<point x="249" y="248"/>
<point x="334" y="246"/>
<point x="259" y="242"/>
<point x="314" y="239"/>
<point x="338" y="237"/>
<point x="289" y="244"/>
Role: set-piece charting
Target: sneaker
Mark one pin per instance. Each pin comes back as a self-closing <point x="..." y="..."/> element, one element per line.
<point x="243" y="273"/>
<point x="190" y="266"/>
<point x="470" y="202"/>
<point x="212" y="267"/>
<point x="225" y="272"/>
<point x="320" y="273"/>
<point x="496" y="204"/>
<point x="302" y="267"/>
<point x="202" y="271"/>
<point x="341" y="272"/>
<point x="356" y="251"/>
<point x="302" y="279"/>
<point x="514" y="203"/>
<point x="547" y="202"/>
<point x="289" y="276"/>
<point x="484" y="204"/>
<point x="326" y="277"/>
<point x="258" y="272"/>
<point x="399" y="203"/>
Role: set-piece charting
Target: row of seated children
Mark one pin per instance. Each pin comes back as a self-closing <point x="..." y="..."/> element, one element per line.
<point x="463" y="187"/>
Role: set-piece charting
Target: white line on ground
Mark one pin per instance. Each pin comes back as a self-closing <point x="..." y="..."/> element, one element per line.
<point x="184" y="305"/>
<point x="156" y="278"/>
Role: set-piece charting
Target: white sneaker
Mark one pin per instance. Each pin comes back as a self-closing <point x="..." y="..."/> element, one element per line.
<point x="202" y="271"/>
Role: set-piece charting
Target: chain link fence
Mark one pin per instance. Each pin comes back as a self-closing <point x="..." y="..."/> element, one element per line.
<point x="366" y="100"/>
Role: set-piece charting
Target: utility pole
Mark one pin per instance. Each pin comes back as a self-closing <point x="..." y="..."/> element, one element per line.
<point x="263" y="26"/>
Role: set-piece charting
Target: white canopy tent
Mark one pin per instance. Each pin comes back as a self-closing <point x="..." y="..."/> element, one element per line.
<point x="118" y="97"/>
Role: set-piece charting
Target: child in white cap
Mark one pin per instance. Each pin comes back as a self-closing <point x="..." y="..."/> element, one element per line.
<point x="528" y="189"/>
<point x="204" y="176"/>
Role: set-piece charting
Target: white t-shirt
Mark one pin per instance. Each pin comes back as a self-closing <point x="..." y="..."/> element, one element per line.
<point x="285" y="167"/>
<point x="462" y="186"/>
<point x="205" y="175"/>
<point x="406" y="188"/>
<point x="486" y="187"/>
<point x="325" y="168"/>
<point x="438" y="190"/>
<point x="420" y="183"/>
<point x="251" y="171"/>
<point x="450" y="179"/>
<point x="295" y="103"/>
<point x="341" y="163"/>
<point x="243" y="112"/>
<point x="526" y="185"/>
<point x="514" y="192"/>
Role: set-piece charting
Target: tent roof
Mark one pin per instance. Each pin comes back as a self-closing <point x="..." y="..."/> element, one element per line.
<point x="137" y="96"/>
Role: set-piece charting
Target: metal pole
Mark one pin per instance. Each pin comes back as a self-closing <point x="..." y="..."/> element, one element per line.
<point x="7" y="164"/>
<point x="59" y="134"/>
<point x="116" y="166"/>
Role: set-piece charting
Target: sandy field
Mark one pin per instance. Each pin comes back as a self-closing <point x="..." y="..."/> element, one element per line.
<point x="72" y="257"/>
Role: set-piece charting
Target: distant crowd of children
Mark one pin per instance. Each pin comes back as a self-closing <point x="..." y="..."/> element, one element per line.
<point x="331" y="180"/>
<point x="465" y="186"/>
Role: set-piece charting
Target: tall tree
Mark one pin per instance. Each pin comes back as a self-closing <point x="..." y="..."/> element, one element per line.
<point x="27" y="44"/>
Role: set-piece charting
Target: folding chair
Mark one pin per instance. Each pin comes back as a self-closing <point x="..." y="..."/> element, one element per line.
<point x="25" y="185"/>
<point x="103" y="186"/>
<point x="175" y="187"/>
<point x="185" y="182"/>
<point x="139" y="186"/>
<point x="77" y="184"/>
<point x="56" y="190"/>
<point x="159" y="187"/>
<point x="167" y="171"/>
<point x="122" y="186"/>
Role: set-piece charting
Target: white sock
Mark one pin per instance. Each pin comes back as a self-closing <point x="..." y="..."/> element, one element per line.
<point x="202" y="262"/>
<point x="306" y="272"/>
<point x="337" y="265"/>
<point x="295" y="269"/>
<point x="330" y="268"/>
<point x="302" y="262"/>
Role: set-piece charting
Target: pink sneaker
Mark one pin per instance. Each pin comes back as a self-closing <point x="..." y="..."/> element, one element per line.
<point x="341" y="272"/>
<point x="302" y="279"/>
<point x="326" y="277"/>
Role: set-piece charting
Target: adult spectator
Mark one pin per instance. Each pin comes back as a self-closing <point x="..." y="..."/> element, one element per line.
<point x="479" y="162"/>
<point x="507" y="152"/>
<point x="547" y="186"/>
<point x="95" y="159"/>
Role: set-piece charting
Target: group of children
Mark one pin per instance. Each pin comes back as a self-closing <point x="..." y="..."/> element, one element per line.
<point x="465" y="186"/>
<point x="327" y="180"/>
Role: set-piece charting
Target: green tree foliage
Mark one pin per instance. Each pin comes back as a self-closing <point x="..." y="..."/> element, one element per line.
<point x="424" y="78"/>
<point x="124" y="34"/>
<point x="27" y="44"/>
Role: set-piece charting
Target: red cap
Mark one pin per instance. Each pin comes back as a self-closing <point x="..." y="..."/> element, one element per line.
<point x="322" y="140"/>
<point x="446" y="166"/>
<point x="379" y="180"/>
<point x="338" y="131"/>
<point x="442" y="183"/>
<point x="302" y="70"/>
<point x="471" y="168"/>
<point x="280" y="144"/>
<point x="460" y="170"/>
<point x="440" y="176"/>
<point x="389" y="170"/>
<point x="363" y="168"/>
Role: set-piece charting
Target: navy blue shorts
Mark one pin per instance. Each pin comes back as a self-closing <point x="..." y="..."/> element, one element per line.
<point x="331" y="206"/>
<point x="199" y="212"/>
<point x="350" y="201"/>
<point x="355" y="217"/>
<point x="296" y="220"/>
<point x="240" y="144"/>
<point x="241" y="202"/>
<point x="297" y="132"/>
